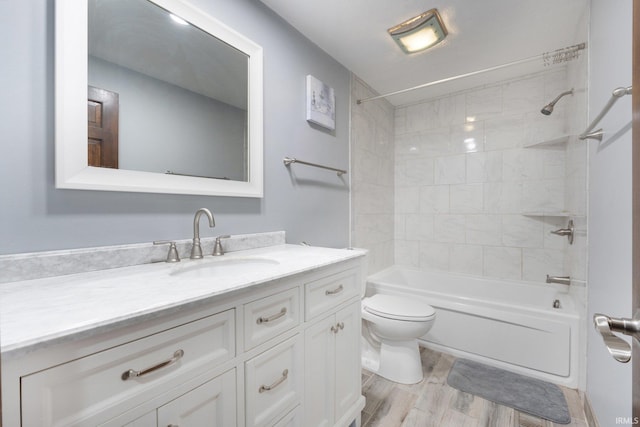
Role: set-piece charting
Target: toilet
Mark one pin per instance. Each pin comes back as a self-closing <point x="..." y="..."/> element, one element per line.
<point x="391" y="326"/>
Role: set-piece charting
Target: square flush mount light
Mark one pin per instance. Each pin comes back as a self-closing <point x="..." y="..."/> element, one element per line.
<point x="420" y="32"/>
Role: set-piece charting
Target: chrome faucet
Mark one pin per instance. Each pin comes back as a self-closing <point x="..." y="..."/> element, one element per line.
<point x="196" y="249"/>
<point x="562" y="280"/>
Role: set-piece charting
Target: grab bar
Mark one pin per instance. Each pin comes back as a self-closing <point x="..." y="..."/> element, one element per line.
<point x="288" y="160"/>
<point x="615" y="95"/>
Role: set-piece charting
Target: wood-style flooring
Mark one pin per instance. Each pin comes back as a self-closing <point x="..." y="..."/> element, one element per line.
<point x="433" y="403"/>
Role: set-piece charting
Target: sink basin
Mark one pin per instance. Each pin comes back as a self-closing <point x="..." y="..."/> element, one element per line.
<point x="224" y="267"/>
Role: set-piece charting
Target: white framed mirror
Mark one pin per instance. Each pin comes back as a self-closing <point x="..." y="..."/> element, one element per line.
<point x="188" y="94"/>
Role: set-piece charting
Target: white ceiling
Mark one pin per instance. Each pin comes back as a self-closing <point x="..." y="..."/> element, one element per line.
<point x="482" y="34"/>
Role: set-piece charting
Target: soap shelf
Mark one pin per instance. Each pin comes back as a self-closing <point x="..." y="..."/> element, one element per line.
<point x="551" y="143"/>
<point x="559" y="214"/>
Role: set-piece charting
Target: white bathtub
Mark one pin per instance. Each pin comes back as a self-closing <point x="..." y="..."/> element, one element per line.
<point x="512" y="325"/>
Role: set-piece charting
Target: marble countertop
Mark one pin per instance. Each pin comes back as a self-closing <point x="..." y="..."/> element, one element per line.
<point x="37" y="313"/>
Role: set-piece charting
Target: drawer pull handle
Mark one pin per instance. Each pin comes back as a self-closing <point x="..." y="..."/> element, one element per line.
<point x="338" y="326"/>
<point x="280" y="380"/>
<point x="177" y="355"/>
<point x="276" y="316"/>
<point x="335" y="291"/>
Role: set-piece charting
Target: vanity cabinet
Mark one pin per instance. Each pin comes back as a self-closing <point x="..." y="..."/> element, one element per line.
<point x="284" y="353"/>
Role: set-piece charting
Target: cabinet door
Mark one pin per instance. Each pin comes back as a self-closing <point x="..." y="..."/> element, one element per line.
<point x="319" y="369"/>
<point x="347" y="353"/>
<point x="211" y="404"/>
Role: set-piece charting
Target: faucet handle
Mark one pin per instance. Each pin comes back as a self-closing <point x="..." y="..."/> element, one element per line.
<point x="172" y="256"/>
<point x="217" y="248"/>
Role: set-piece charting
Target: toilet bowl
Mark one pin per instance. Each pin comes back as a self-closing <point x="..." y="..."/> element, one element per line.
<point x="391" y="327"/>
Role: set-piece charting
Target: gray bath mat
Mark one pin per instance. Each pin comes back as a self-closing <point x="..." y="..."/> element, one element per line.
<point x="530" y="395"/>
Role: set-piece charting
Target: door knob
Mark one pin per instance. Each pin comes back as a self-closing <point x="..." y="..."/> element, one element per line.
<point x="606" y="326"/>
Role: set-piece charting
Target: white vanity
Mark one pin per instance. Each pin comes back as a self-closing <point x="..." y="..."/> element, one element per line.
<point x="260" y="337"/>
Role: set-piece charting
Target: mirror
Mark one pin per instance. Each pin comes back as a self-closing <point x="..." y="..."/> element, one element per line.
<point x="156" y="96"/>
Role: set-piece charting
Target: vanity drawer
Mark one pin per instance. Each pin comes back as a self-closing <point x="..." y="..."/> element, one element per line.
<point x="270" y="316"/>
<point x="323" y="294"/>
<point x="274" y="383"/>
<point x="85" y="390"/>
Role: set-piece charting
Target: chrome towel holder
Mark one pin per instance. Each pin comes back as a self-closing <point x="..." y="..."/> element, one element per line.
<point x="288" y="160"/>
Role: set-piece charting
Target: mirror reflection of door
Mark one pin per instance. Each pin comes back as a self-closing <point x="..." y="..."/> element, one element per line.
<point x="102" y="106"/>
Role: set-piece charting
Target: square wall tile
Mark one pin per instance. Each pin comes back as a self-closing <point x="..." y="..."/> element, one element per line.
<point x="450" y="169"/>
<point x="415" y="171"/>
<point x="543" y="195"/>
<point x="504" y="133"/>
<point x="466" y="198"/>
<point x="522" y="231"/>
<point x="466" y="259"/>
<point x="449" y="228"/>
<point x="434" y="256"/>
<point x="434" y="199"/>
<point x="407" y="199"/>
<point x="503" y="197"/>
<point x="407" y="252"/>
<point x="419" y="227"/>
<point x="370" y="229"/>
<point x="484" y="167"/>
<point x="503" y="263"/>
<point x="484" y="229"/>
<point x="484" y="103"/>
<point x="467" y="138"/>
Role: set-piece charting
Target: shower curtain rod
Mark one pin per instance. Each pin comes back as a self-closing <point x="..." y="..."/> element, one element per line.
<point x="555" y="57"/>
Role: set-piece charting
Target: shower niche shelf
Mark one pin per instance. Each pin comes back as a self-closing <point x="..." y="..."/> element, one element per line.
<point x="555" y="143"/>
<point x="558" y="214"/>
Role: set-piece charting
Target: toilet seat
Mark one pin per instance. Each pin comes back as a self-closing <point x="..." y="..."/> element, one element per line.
<point x="399" y="308"/>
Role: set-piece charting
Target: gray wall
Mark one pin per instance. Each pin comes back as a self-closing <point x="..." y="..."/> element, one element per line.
<point x="309" y="204"/>
<point x="610" y="193"/>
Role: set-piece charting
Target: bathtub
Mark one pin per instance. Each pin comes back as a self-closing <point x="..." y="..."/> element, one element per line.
<point x="508" y="324"/>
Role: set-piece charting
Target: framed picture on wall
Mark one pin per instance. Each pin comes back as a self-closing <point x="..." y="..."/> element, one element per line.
<point x="321" y="103"/>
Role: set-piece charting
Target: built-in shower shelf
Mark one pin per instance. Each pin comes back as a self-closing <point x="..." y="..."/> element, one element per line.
<point x="550" y="143"/>
<point x="556" y="214"/>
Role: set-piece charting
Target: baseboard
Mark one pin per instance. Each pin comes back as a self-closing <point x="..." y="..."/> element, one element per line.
<point x="592" y="421"/>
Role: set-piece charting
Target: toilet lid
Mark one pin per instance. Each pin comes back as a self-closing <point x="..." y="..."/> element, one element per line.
<point x="400" y="308"/>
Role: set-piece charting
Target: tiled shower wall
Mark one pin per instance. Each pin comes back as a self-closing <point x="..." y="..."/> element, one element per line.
<point x="372" y="188"/>
<point x="471" y="197"/>
<point x="471" y="194"/>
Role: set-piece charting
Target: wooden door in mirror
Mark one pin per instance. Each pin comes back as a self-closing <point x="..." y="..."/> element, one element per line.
<point x="102" y="108"/>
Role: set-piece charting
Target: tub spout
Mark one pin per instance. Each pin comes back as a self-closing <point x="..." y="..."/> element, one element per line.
<point x="563" y="280"/>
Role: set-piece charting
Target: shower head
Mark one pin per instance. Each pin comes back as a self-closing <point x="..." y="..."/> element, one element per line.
<point x="548" y="109"/>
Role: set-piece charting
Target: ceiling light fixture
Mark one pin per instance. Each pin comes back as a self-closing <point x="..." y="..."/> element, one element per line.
<point x="420" y="32"/>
